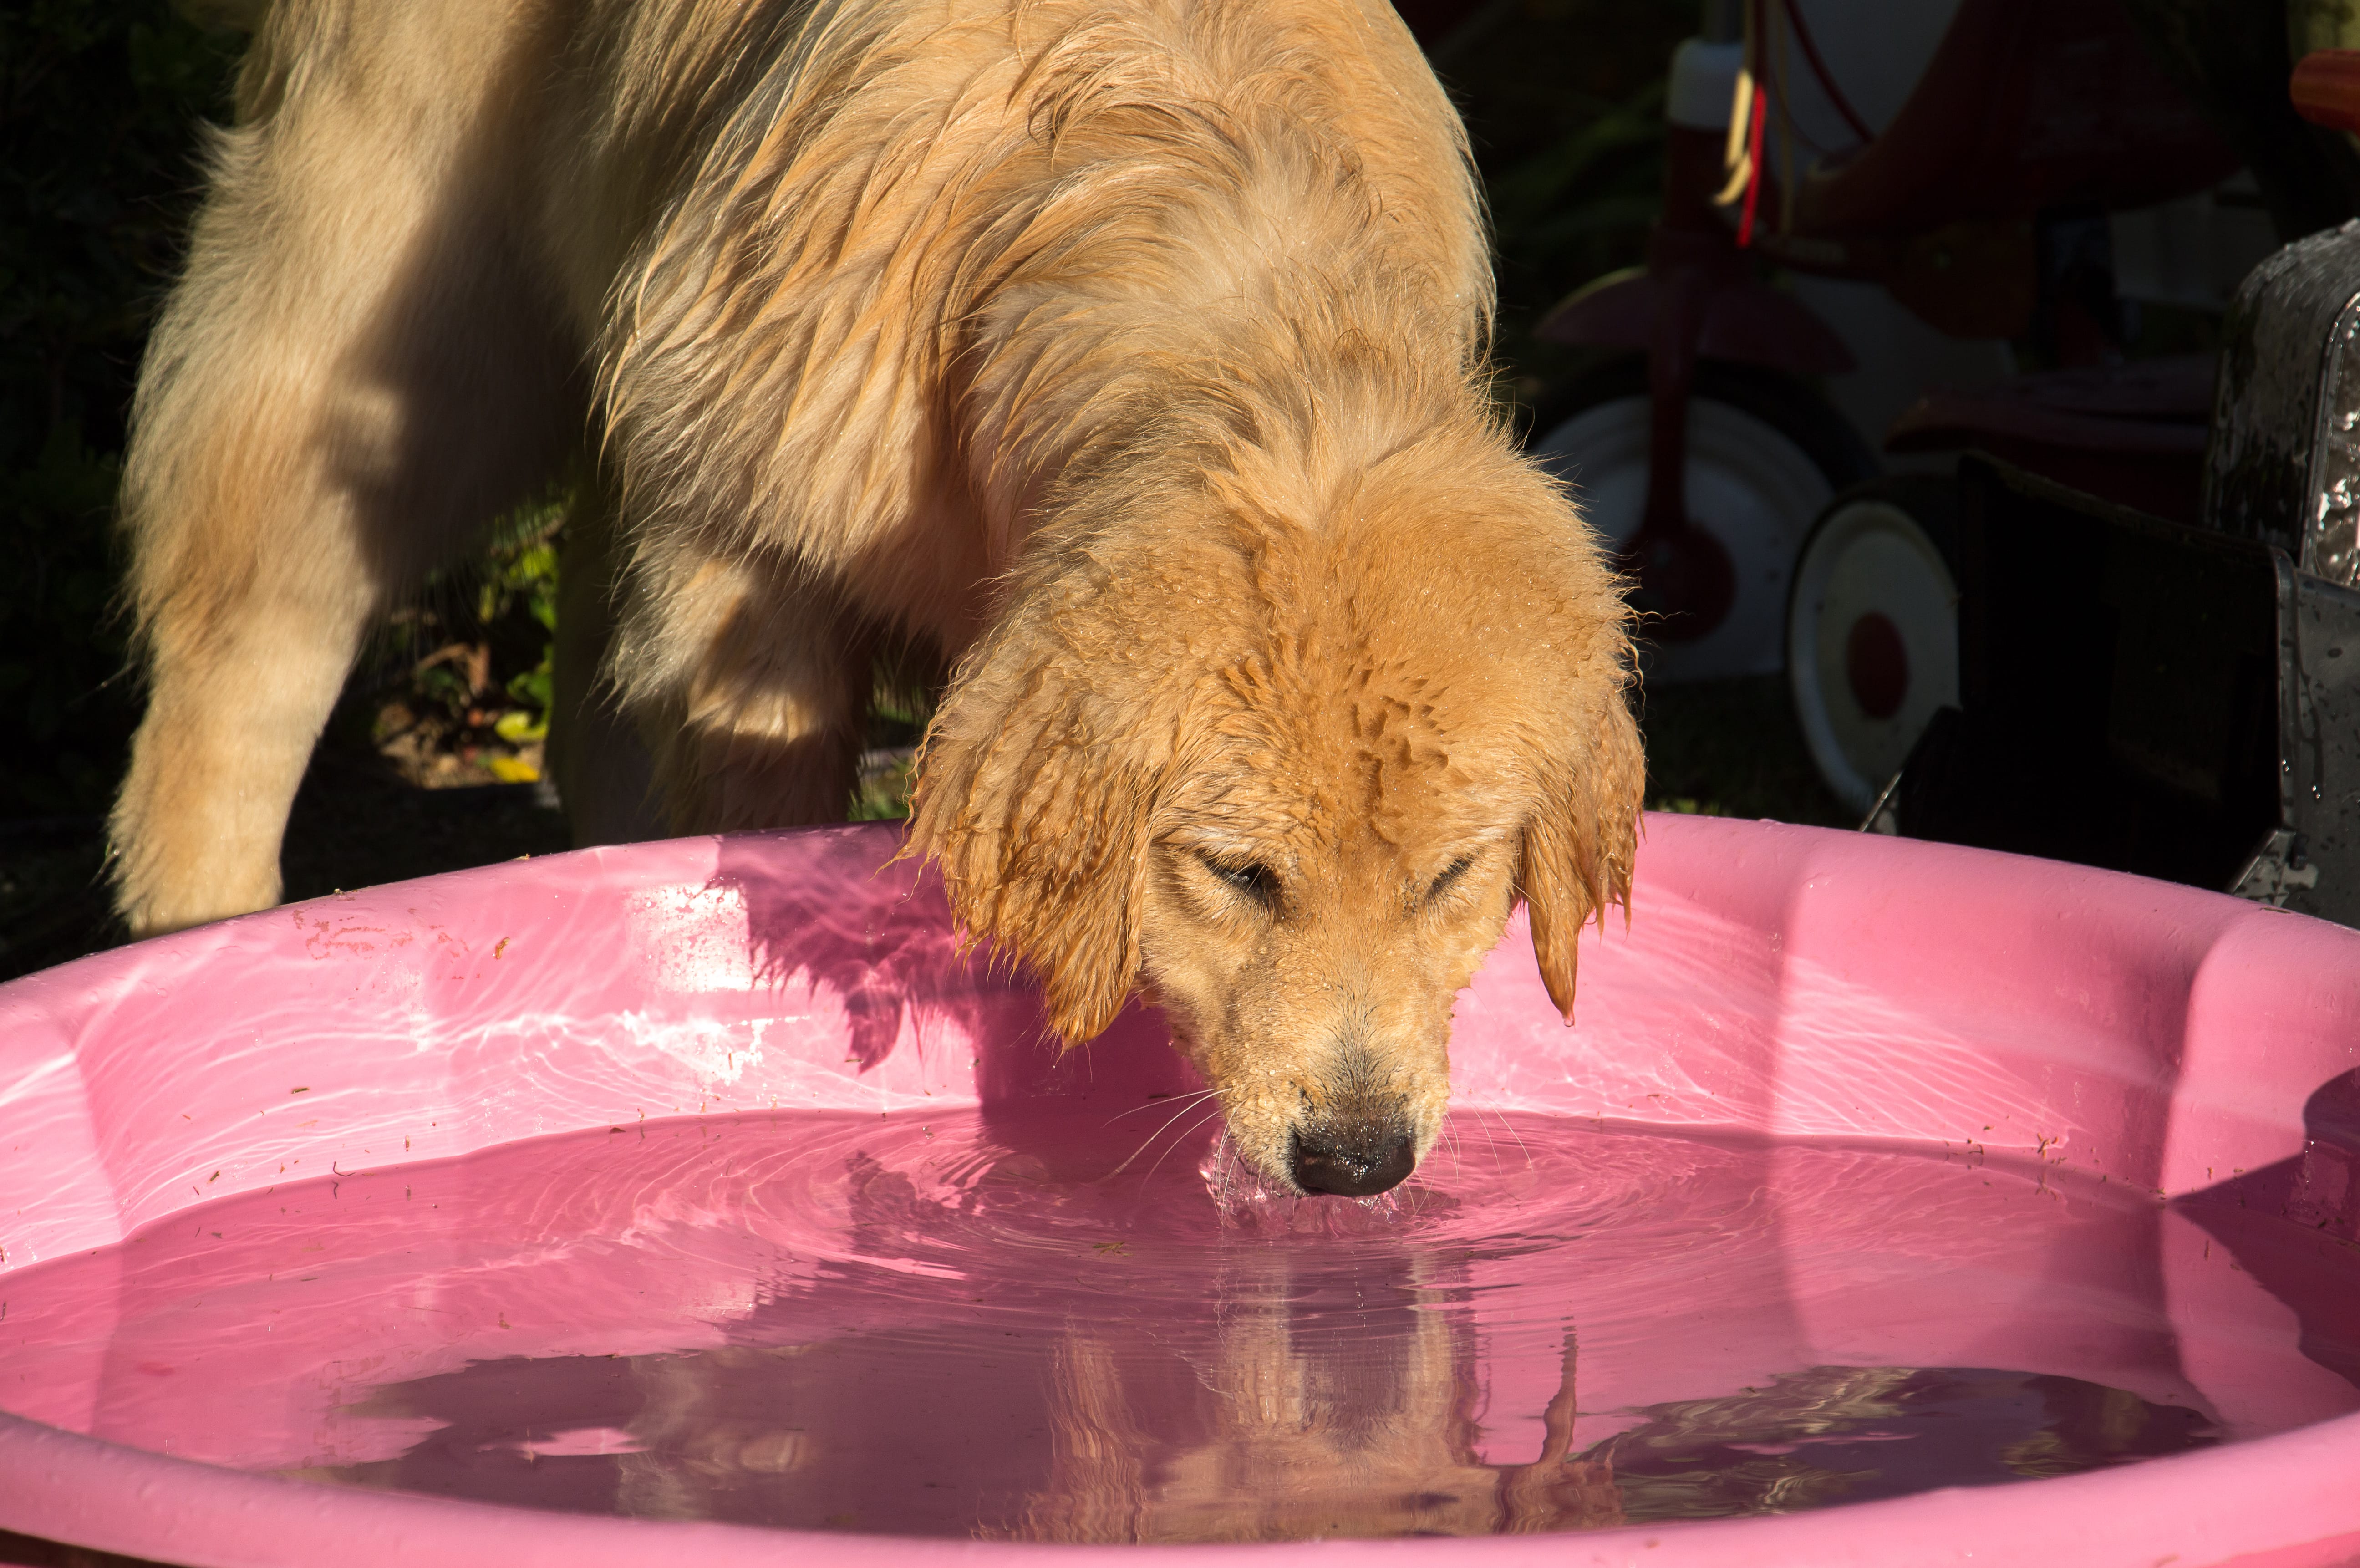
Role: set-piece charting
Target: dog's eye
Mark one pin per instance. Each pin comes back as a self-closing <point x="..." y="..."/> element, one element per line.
<point x="1451" y="874"/>
<point x="1253" y="879"/>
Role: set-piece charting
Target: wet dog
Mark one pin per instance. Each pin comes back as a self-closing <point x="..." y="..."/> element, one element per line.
<point x="1124" y="358"/>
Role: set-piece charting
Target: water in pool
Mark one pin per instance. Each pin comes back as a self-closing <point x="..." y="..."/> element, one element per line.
<point x="953" y="1326"/>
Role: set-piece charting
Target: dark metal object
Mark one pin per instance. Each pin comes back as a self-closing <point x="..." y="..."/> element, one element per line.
<point x="2284" y="464"/>
<point x="2200" y="686"/>
<point x="2198" y="695"/>
<point x="2321" y="782"/>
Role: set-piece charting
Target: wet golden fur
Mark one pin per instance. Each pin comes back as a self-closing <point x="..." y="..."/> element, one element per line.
<point x="1125" y="356"/>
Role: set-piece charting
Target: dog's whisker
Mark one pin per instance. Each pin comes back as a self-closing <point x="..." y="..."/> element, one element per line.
<point x="1173" y="1145"/>
<point x="1175" y="1142"/>
<point x="1162" y="1105"/>
<point x="1449" y="1141"/>
<point x="1511" y="1127"/>
<point x="1225" y="1158"/>
<point x="1490" y="1143"/>
<point x="1149" y="1141"/>
<point x="1490" y="1139"/>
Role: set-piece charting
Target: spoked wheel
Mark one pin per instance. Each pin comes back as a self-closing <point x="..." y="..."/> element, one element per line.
<point x="1765" y="455"/>
<point x="1873" y="629"/>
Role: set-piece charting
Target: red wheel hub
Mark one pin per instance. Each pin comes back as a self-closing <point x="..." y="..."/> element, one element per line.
<point x="1877" y="665"/>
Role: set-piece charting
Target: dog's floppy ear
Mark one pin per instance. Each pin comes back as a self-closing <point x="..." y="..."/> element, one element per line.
<point x="1579" y="846"/>
<point x="1039" y="819"/>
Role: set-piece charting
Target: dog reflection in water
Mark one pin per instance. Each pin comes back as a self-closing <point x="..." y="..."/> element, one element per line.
<point x="1330" y="1406"/>
<point x="1297" y="1430"/>
<point x="1322" y="1402"/>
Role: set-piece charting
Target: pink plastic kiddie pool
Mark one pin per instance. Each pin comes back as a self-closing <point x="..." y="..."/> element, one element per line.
<point x="1891" y="1203"/>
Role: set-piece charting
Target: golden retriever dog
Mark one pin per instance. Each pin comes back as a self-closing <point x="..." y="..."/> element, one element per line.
<point x="1123" y="359"/>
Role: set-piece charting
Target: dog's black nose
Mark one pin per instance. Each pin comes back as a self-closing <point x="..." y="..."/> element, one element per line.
<point x="1353" y="1165"/>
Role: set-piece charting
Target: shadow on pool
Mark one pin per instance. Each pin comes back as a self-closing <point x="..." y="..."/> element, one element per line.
<point x="2283" y="1221"/>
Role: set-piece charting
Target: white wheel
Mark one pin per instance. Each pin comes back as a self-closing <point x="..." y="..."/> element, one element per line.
<point x="1755" y="484"/>
<point x="1872" y="639"/>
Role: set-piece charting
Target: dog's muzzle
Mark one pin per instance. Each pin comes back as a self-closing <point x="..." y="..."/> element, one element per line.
<point x="1352" y="1161"/>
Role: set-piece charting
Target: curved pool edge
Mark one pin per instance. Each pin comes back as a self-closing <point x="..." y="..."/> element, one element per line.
<point x="199" y="1515"/>
<point x="1817" y="892"/>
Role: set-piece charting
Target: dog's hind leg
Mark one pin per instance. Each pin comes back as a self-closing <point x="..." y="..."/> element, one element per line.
<point x="353" y="378"/>
<point x="356" y="373"/>
<point x="751" y="685"/>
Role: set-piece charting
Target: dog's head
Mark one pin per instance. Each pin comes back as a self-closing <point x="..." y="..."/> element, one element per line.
<point x="1286" y="762"/>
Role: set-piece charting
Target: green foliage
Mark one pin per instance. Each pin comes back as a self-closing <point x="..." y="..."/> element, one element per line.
<point x="882" y="793"/>
<point x="98" y="102"/>
<point x="1564" y="101"/>
<point x="523" y="578"/>
<point x="475" y="655"/>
